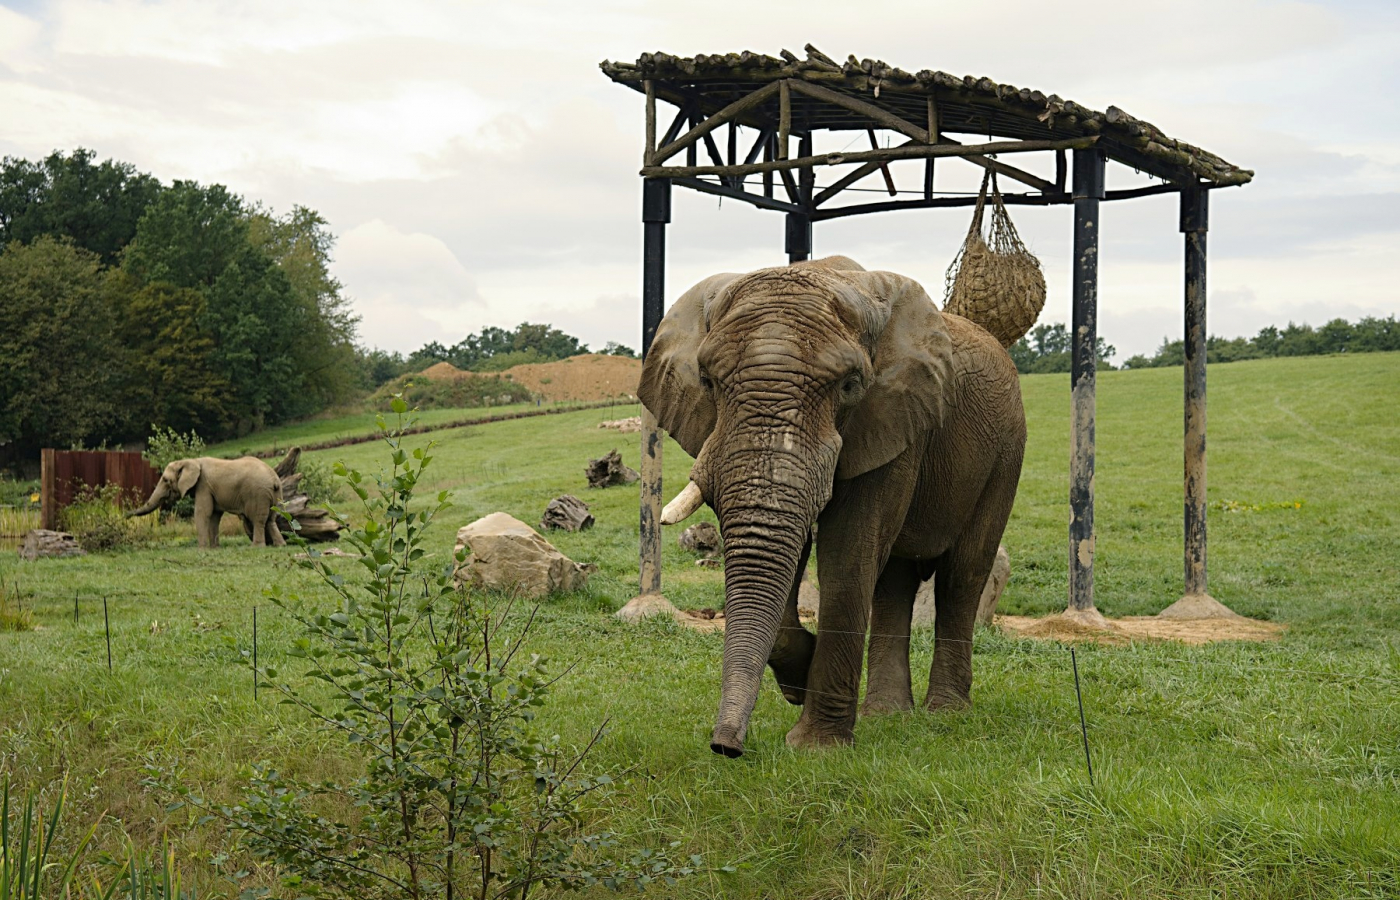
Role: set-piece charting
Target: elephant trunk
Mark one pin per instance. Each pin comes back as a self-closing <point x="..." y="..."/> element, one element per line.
<point x="765" y="521"/>
<point x="153" y="502"/>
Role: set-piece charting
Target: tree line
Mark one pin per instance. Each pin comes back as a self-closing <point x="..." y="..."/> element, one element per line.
<point x="127" y="303"/>
<point x="1047" y="348"/>
<point x="491" y="350"/>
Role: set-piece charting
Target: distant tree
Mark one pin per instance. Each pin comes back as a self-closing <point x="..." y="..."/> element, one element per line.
<point x="613" y="348"/>
<point x="379" y="367"/>
<point x="170" y="377"/>
<point x="300" y="243"/>
<point x="61" y="366"/>
<point x="200" y="238"/>
<point x="1047" y="350"/>
<point x="1368" y="335"/>
<point x="95" y="205"/>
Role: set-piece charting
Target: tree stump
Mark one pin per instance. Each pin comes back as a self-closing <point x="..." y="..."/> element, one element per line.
<point x="566" y="513"/>
<point x="40" y="542"/>
<point x="314" y="523"/>
<point x="606" y="471"/>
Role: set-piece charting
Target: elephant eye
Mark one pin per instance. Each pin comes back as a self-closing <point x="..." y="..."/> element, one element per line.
<point x="851" y="385"/>
<point x="706" y="383"/>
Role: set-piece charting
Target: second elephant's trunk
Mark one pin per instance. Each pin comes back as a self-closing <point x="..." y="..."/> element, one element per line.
<point x="153" y="502"/>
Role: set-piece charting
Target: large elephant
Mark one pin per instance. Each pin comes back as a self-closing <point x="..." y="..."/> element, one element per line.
<point x="823" y="393"/>
<point x="248" y="487"/>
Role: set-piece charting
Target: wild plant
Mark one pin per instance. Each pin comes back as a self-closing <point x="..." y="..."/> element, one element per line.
<point x="436" y="697"/>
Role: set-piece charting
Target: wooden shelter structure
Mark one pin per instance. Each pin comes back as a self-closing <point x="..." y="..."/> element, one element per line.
<point x="746" y="111"/>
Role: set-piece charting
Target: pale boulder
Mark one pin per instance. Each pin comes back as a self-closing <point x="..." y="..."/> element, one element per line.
<point x="986" y="607"/>
<point x="508" y="555"/>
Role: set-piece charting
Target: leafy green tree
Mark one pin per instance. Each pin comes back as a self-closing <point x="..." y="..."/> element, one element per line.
<point x="95" y="205"/>
<point x="300" y="243"/>
<point x="170" y="376"/>
<point x="60" y="363"/>
<point x="613" y="348"/>
<point x="1047" y="350"/>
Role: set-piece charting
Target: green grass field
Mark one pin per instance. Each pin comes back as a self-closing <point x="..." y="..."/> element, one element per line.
<point x="339" y="427"/>
<point x="1229" y="770"/>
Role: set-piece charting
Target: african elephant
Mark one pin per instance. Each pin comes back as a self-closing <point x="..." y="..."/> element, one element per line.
<point x="823" y="393"/>
<point x="248" y="487"/>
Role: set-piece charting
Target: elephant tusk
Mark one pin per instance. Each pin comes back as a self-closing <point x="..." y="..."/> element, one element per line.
<point x="685" y="504"/>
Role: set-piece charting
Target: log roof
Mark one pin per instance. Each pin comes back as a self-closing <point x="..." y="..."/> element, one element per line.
<point x="966" y="105"/>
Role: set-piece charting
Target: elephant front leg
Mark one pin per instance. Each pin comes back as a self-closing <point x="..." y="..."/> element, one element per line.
<point x="857" y="528"/>
<point x="888" y="687"/>
<point x="206" y="521"/>
<point x="792" y="651"/>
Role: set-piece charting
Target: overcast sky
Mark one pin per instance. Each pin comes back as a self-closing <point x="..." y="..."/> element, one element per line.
<point x="478" y="169"/>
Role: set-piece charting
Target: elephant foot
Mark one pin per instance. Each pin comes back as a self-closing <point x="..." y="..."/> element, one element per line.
<point x="805" y="737"/>
<point x="885" y="705"/>
<point x="947" y="698"/>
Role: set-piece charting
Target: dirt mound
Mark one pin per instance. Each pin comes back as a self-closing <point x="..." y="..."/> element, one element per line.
<point x="1099" y="630"/>
<point x="444" y="371"/>
<point x="591" y="376"/>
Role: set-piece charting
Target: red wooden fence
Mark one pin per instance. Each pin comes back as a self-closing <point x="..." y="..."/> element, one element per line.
<point x="64" y="473"/>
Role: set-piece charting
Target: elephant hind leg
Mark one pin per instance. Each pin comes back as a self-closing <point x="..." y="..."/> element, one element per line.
<point x="274" y="534"/>
<point x="960" y="574"/>
<point x="792" y="651"/>
<point x="888" y="685"/>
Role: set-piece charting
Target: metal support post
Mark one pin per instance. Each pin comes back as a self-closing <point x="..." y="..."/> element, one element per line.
<point x="1088" y="191"/>
<point x="1194" y="224"/>
<point x="656" y="213"/>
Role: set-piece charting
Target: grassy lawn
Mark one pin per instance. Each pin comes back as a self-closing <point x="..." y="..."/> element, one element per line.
<point x="1229" y="770"/>
<point x="336" y="426"/>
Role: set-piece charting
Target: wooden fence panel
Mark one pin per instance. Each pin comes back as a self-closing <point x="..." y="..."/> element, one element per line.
<point x="65" y="473"/>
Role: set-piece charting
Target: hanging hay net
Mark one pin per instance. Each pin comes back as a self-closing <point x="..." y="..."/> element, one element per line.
<point x="994" y="280"/>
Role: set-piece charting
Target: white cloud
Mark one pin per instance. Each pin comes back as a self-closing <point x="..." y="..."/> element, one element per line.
<point x="482" y="171"/>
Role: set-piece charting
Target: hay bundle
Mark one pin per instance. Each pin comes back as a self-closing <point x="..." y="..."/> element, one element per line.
<point x="994" y="280"/>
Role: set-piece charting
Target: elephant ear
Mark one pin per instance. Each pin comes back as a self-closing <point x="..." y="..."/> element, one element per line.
<point x="912" y="359"/>
<point x="190" y="470"/>
<point x="670" y="384"/>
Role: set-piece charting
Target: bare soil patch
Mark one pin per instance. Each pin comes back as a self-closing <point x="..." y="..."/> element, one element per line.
<point x="590" y="376"/>
<point x="1097" y="629"/>
<point x="444" y="371"/>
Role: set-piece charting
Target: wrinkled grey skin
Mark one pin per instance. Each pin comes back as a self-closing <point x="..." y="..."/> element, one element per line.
<point x="248" y="487"/>
<point x="822" y="393"/>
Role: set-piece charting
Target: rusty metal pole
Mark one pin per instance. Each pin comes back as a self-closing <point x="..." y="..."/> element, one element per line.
<point x="656" y="213"/>
<point x="1088" y="191"/>
<point x="1194" y="224"/>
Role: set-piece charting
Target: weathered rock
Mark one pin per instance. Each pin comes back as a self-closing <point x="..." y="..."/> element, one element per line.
<point x="645" y="606"/>
<point x="986" y="607"/>
<point x="508" y="555"/>
<point x="606" y="471"/>
<point x="702" y="537"/>
<point x="566" y="513"/>
<point x="40" y="542"/>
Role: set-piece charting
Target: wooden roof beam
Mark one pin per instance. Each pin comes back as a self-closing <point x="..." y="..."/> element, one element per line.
<point x="906" y="151"/>
<point x="733" y="110"/>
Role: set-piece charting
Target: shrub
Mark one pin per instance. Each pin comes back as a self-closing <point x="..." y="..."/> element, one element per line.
<point x="465" y="392"/>
<point x="97" y="520"/>
<point x="164" y="446"/>
<point x="319" y="482"/>
<point x="431" y="690"/>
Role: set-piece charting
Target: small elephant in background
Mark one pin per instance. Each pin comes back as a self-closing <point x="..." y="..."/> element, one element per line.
<point x="247" y="487"/>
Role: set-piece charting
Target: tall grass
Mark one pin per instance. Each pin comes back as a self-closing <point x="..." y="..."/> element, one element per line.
<point x="15" y="521"/>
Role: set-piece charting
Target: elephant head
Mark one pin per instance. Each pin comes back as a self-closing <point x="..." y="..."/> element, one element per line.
<point x="779" y="383"/>
<point x="178" y="479"/>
